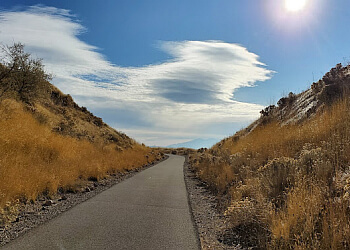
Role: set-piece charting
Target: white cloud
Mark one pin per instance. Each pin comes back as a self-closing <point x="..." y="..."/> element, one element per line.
<point x="189" y="94"/>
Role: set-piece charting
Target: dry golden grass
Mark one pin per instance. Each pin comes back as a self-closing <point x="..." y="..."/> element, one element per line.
<point x="293" y="180"/>
<point x="35" y="160"/>
<point x="272" y="140"/>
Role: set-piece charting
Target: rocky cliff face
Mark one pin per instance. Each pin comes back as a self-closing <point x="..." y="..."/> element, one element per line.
<point x="295" y="108"/>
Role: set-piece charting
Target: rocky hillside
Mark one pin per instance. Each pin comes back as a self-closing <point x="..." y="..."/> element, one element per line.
<point x="284" y="181"/>
<point x="296" y="108"/>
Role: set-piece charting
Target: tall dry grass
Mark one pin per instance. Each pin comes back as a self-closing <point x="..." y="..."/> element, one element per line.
<point x="34" y="160"/>
<point x="293" y="181"/>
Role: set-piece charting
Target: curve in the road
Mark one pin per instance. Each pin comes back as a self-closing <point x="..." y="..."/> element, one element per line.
<point x="147" y="211"/>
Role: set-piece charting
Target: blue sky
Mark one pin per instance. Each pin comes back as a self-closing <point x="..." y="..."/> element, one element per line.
<point x="166" y="72"/>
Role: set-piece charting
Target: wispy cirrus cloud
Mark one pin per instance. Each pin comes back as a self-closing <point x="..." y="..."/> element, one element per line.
<point x="191" y="94"/>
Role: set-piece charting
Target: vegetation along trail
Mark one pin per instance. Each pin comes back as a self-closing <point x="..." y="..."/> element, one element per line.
<point x="147" y="211"/>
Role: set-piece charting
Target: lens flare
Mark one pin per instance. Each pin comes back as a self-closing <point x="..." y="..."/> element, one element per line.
<point x="295" y="5"/>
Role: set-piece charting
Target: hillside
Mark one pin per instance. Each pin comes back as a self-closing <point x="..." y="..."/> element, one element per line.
<point x="50" y="145"/>
<point x="296" y="108"/>
<point x="283" y="182"/>
<point x="49" y="105"/>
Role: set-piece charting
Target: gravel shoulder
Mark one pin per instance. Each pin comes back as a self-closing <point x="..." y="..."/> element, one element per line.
<point x="43" y="209"/>
<point x="208" y="221"/>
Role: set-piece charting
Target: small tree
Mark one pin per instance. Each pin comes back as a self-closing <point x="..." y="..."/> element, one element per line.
<point x="19" y="72"/>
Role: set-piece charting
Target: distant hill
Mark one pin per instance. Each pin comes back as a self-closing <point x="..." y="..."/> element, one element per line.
<point x="195" y="144"/>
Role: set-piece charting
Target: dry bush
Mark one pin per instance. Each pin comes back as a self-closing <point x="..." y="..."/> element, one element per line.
<point x="215" y="171"/>
<point x="242" y="212"/>
<point x="8" y="212"/>
<point x="336" y="225"/>
<point x="314" y="162"/>
<point x="248" y="219"/>
<point x="297" y="224"/>
<point x="247" y="205"/>
<point x="276" y="177"/>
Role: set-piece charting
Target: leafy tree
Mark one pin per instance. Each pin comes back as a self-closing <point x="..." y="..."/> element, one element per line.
<point x="19" y="72"/>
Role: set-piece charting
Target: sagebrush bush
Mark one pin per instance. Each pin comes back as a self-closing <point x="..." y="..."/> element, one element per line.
<point x="276" y="177"/>
<point x="297" y="223"/>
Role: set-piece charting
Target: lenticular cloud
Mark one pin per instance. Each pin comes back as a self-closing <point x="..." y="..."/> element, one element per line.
<point x="194" y="88"/>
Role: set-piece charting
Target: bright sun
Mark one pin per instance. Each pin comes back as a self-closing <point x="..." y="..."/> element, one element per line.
<point x="295" y="5"/>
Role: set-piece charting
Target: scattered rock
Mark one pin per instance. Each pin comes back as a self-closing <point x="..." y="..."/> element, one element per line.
<point x="47" y="203"/>
<point x="63" y="198"/>
<point x="92" y="178"/>
<point x="16" y="220"/>
<point x="206" y="217"/>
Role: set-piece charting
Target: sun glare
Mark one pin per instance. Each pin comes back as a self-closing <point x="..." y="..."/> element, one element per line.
<point x="295" y="5"/>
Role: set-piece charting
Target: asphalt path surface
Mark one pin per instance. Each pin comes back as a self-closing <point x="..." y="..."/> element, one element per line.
<point x="147" y="211"/>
